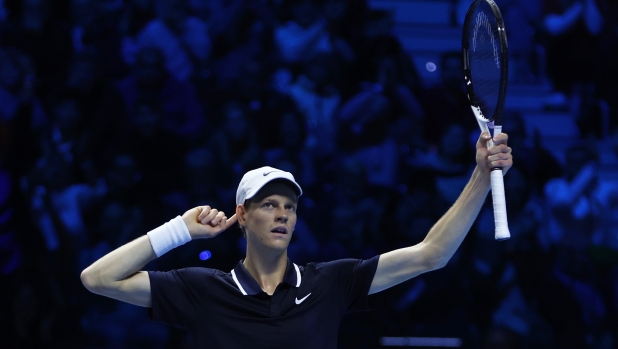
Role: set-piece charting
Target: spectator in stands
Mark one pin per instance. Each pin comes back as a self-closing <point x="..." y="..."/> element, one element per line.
<point x="317" y="95"/>
<point x="539" y="305"/>
<point x="605" y="203"/>
<point x="414" y="212"/>
<point x="606" y="89"/>
<point x="66" y="134"/>
<point x="122" y="177"/>
<point x="182" y="38"/>
<point x="253" y="87"/>
<point x="350" y="237"/>
<point x="540" y="163"/>
<point x="290" y="147"/>
<point x="10" y="252"/>
<point x="59" y="202"/>
<point x="196" y="181"/>
<point x="592" y="113"/>
<point x="155" y="150"/>
<point x="95" y="28"/>
<point x="100" y="103"/>
<point x="36" y="30"/>
<point x="448" y="101"/>
<point x="522" y="321"/>
<point x="304" y="34"/>
<point x="396" y="80"/>
<point x="345" y="20"/>
<point x="136" y="14"/>
<point x="245" y="40"/>
<point x="572" y="29"/>
<point x="36" y="317"/>
<point x="235" y="145"/>
<point x="574" y="270"/>
<point x="570" y="200"/>
<point x="363" y="134"/>
<point x="522" y="18"/>
<point x="445" y="164"/>
<point x="16" y="86"/>
<point x="182" y="113"/>
<point x="21" y="111"/>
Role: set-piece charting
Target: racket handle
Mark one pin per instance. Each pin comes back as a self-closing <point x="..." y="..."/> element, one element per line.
<point x="497" y="194"/>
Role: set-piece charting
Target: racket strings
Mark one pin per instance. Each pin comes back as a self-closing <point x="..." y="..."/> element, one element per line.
<point x="485" y="63"/>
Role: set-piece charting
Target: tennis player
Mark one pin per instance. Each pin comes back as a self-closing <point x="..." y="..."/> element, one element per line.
<point x="267" y="301"/>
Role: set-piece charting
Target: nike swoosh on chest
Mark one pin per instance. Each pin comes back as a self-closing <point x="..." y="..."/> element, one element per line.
<point x="299" y="301"/>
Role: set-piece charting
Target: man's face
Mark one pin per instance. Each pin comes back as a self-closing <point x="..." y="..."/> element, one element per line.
<point x="270" y="220"/>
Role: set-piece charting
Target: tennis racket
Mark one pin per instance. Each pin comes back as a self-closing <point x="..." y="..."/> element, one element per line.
<point x="485" y="59"/>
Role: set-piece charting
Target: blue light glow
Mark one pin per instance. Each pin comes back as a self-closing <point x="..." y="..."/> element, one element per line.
<point x="204" y="255"/>
<point x="430" y="66"/>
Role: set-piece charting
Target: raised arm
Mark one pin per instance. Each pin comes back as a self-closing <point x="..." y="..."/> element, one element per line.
<point x="447" y="234"/>
<point x="117" y="274"/>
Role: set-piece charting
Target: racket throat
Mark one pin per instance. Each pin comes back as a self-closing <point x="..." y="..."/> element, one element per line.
<point x="483" y="124"/>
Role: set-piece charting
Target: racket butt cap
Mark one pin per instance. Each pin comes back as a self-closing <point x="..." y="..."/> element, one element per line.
<point x="502" y="234"/>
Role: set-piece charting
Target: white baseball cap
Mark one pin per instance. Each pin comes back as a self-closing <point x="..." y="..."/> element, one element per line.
<point x="255" y="180"/>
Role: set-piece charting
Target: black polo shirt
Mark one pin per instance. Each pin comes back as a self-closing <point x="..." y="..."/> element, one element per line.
<point x="230" y="310"/>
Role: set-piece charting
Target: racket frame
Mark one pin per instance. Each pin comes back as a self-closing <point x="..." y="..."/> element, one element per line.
<point x="495" y="120"/>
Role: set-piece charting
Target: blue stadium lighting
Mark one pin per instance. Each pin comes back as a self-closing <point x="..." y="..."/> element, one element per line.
<point x="204" y="255"/>
<point x="430" y="66"/>
<point x="420" y="342"/>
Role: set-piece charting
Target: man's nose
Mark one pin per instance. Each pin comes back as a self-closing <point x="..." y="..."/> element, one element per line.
<point x="282" y="217"/>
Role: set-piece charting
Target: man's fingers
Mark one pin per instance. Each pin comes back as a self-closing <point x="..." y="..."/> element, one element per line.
<point x="483" y="139"/>
<point x="502" y="159"/>
<point x="500" y="149"/>
<point x="503" y="164"/>
<point x="203" y="212"/>
<point x="231" y="220"/>
<point x="209" y="217"/>
<point x="217" y="219"/>
<point x="499" y="156"/>
<point x="501" y="138"/>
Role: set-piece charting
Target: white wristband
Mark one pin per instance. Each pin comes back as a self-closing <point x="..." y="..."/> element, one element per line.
<point x="168" y="236"/>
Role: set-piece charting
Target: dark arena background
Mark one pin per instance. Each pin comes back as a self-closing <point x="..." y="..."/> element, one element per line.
<point x="116" y="116"/>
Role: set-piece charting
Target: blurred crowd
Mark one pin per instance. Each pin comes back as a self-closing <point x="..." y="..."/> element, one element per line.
<point x="118" y="115"/>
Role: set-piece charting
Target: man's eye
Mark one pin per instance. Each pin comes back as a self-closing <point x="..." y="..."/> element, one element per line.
<point x="268" y="204"/>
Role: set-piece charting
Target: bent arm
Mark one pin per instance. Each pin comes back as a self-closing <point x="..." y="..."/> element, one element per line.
<point x="440" y="243"/>
<point x="117" y="275"/>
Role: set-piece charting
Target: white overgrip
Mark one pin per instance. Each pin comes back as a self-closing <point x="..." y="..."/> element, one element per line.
<point x="497" y="194"/>
<point x="497" y="190"/>
<point x="497" y="182"/>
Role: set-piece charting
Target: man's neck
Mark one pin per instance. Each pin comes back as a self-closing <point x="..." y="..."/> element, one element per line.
<point x="268" y="271"/>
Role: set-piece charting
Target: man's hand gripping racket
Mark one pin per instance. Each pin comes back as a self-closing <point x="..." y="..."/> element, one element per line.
<point x="485" y="58"/>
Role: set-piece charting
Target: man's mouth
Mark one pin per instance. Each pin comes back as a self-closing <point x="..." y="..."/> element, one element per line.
<point x="279" y="230"/>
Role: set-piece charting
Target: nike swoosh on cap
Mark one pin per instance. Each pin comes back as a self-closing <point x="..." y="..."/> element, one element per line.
<point x="269" y="172"/>
<point x="298" y="301"/>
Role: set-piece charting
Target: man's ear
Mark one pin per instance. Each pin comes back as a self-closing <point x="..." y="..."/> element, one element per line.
<point x="241" y="211"/>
